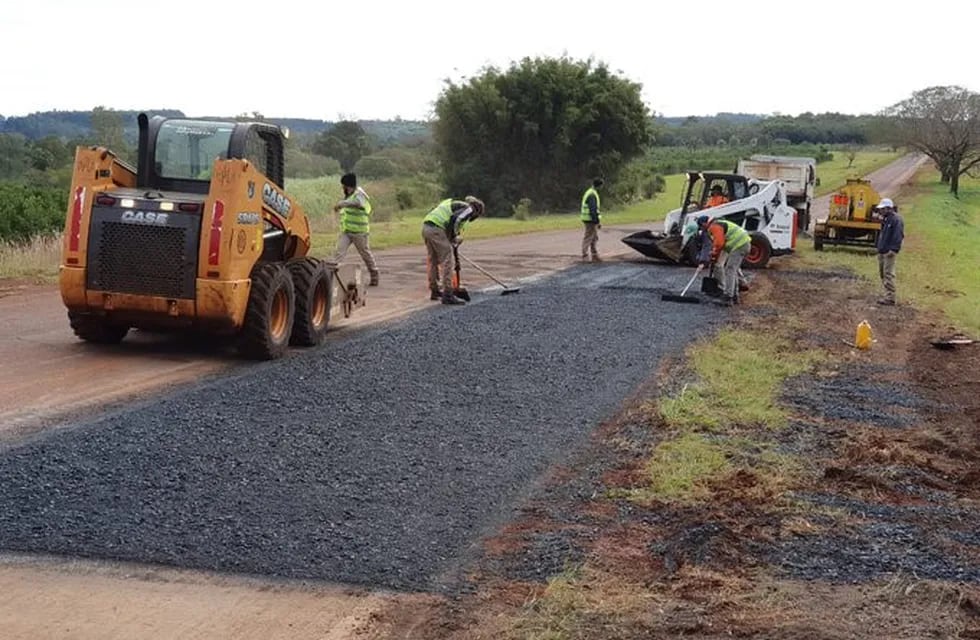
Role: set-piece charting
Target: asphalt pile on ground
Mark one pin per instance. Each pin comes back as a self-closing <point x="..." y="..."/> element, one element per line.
<point x="379" y="459"/>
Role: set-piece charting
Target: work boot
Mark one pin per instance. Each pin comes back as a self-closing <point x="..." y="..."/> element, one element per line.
<point x="375" y="276"/>
<point x="724" y="301"/>
<point x="596" y="258"/>
<point x="886" y="302"/>
<point x="743" y="286"/>
<point x="435" y="294"/>
<point x="448" y="298"/>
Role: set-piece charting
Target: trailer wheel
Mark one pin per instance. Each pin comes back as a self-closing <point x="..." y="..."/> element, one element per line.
<point x="269" y="316"/>
<point x="759" y="253"/>
<point x="314" y="296"/>
<point x="95" y="328"/>
<point x="817" y="242"/>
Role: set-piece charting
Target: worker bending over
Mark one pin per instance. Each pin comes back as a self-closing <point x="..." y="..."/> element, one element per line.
<point x="441" y="230"/>
<point x="726" y="245"/>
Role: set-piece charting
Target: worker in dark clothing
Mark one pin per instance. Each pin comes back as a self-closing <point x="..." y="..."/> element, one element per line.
<point x="441" y="230"/>
<point x="591" y="217"/>
<point x="889" y="244"/>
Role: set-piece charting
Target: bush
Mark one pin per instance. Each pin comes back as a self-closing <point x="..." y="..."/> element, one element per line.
<point x="404" y="199"/>
<point x="522" y="210"/>
<point x="374" y="167"/>
<point x="28" y="211"/>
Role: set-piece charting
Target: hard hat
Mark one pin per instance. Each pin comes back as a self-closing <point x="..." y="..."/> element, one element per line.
<point x="477" y="205"/>
<point x="886" y="203"/>
<point x="717" y="187"/>
<point x="702" y="220"/>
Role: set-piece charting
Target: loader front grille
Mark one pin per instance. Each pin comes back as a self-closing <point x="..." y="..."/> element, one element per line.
<point x="143" y="259"/>
<point x="140" y="259"/>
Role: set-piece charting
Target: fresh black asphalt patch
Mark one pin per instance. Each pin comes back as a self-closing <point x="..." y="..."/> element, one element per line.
<point x="379" y="459"/>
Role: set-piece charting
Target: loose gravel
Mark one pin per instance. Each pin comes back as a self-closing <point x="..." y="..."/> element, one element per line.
<point x="379" y="459"/>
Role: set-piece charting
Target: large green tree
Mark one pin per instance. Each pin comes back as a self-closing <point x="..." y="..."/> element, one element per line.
<point x="540" y="130"/>
<point x="346" y="142"/>
<point x="944" y="124"/>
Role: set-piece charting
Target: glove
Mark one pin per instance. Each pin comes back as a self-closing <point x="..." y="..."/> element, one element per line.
<point x="598" y="225"/>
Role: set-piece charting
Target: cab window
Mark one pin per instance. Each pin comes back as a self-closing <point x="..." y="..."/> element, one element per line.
<point x="187" y="149"/>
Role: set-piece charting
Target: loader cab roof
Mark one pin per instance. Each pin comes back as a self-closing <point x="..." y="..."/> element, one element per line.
<point x="178" y="154"/>
<point x="701" y="183"/>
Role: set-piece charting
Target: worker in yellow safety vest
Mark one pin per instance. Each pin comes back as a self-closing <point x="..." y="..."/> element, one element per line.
<point x="355" y="215"/>
<point x="591" y="217"/>
<point x="728" y="246"/>
<point x="441" y="230"/>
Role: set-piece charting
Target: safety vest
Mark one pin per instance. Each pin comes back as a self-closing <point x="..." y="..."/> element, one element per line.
<point x="353" y="220"/>
<point x="441" y="215"/>
<point x="586" y="216"/>
<point x="735" y="236"/>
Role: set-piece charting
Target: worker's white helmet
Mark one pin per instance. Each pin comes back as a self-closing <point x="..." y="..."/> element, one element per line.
<point x="886" y="203"/>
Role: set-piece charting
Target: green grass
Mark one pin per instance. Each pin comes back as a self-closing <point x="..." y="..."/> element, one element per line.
<point x="680" y="467"/>
<point x="937" y="268"/>
<point x="739" y="375"/>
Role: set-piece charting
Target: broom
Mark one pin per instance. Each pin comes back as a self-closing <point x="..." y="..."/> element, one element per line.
<point x="670" y="297"/>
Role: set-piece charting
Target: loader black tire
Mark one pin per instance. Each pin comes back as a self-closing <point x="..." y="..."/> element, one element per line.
<point x="759" y="252"/>
<point x="314" y="297"/>
<point x="269" y="317"/>
<point x="95" y="328"/>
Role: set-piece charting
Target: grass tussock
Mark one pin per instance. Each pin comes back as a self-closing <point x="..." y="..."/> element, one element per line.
<point x="37" y="259"/>
<point x="585" y="603"/>
<point x="739" y="374"/>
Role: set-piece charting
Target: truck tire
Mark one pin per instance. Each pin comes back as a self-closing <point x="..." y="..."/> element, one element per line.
<point x="269" y="317"/>
<point x="803" y="219"/>
<point x="314" y="297"/>
<point x="759" y="252"/>
<point x="95" y="328"/>
<point x="817" y="242"/>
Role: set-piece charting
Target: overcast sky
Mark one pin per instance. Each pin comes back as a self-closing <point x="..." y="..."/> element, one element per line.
<point x="377" y="59"/>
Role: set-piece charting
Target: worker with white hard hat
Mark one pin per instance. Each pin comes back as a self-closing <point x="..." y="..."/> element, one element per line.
<point x="889" y="243"/>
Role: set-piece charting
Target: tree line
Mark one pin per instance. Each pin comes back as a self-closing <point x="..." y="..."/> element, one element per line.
<point x="536" y="133"/>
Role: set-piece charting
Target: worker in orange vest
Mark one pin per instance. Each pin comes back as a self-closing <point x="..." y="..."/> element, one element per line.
<point x="716" y="198"/>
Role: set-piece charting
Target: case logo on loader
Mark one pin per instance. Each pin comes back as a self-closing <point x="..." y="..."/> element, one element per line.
<point x="275" y="200"/>
<point x="143" y="217"/>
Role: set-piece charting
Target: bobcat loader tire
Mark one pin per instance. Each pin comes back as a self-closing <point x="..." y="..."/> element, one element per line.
<point x="269" y="317"/>
<point x="759" y="252"/>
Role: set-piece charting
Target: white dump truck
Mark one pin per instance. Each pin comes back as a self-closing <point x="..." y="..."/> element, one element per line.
<point x="798" y="175"/>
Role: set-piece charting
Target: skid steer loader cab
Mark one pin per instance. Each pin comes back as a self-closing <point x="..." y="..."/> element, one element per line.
<point x="200" y="236"/>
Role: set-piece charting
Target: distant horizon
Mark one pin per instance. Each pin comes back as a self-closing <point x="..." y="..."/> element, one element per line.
<point x="396" y="118"/>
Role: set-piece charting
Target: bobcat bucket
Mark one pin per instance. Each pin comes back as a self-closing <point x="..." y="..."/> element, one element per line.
<point x="656" y="245"/>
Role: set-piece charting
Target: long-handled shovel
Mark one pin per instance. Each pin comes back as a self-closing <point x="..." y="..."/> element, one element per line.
<point x="670" y="297"/>
<point x="507" y="289"/>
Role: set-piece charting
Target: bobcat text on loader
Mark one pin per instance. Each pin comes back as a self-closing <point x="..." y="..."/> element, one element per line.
<point x="199" y="237"/>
